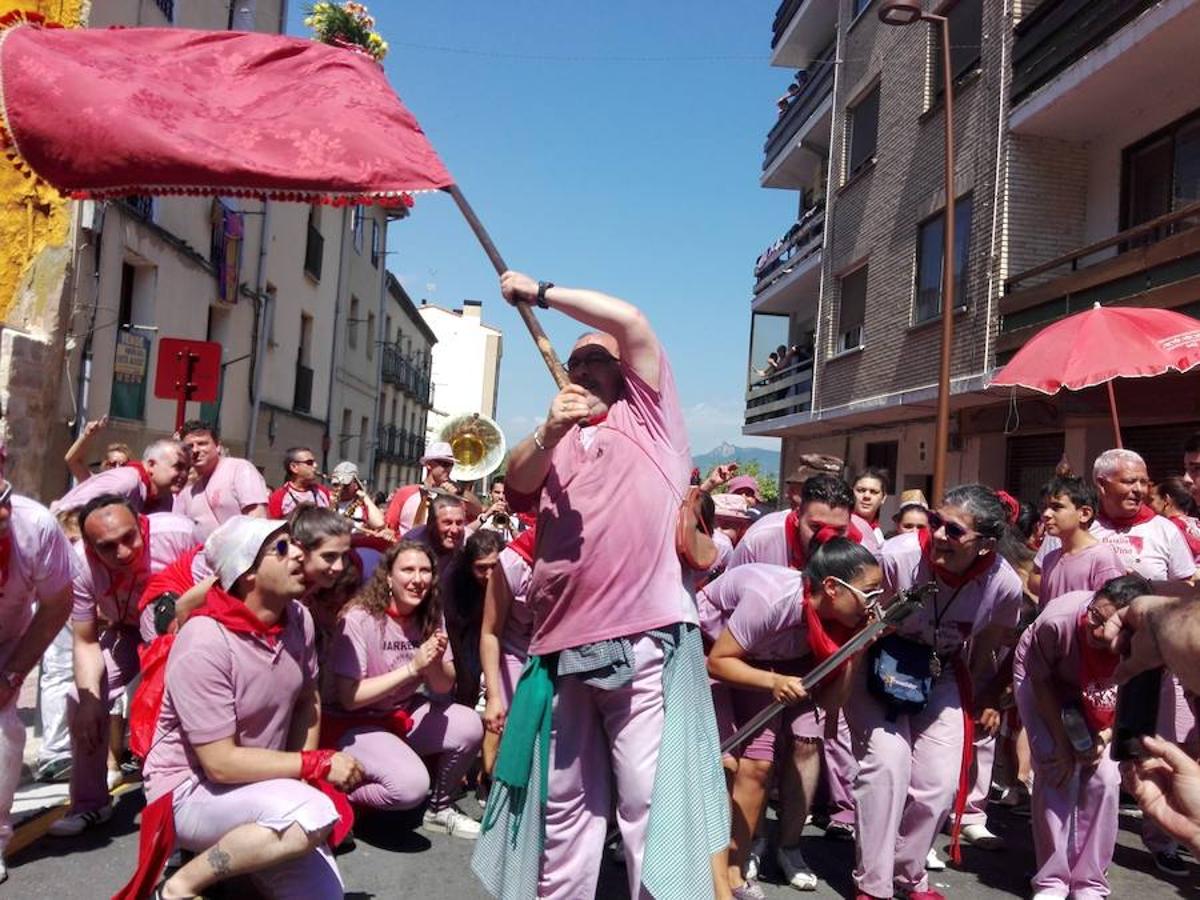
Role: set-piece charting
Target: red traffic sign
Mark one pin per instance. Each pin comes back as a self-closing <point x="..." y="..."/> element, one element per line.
<point x="188" y="370"/>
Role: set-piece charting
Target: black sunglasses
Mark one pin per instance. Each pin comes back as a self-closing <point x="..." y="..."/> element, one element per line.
<point x="954" y="531"/>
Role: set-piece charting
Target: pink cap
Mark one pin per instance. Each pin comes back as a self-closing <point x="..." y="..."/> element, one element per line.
<point x="743" y="483"/>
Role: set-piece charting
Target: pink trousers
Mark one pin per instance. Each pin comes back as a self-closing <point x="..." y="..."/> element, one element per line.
<point x="908" y="772"/>
<point x="1176" y="722"/>
<point x="975" y="812"/>
<point x="12" y="748"/>
<point x="89" y="768"/>
<point x="838" y="774"/>
<point x="600" y="738"/>
<point x="204" y="813"/>
<point x="511" y="665"/>
<point x="395" y="776"/>
<point x="1075" y="826"/>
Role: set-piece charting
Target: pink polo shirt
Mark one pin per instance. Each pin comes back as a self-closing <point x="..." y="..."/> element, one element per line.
<point x="993" y="598"/>
<point x="1086" y="570"/>
<point x="518" y="627"/>
<point x="124" y="481"/>
<point x="39" y="567"/>
<point x="222" y="684"/>
<point x="606" y="564"/>
<point x="233" y="485"/>
<point x="763" y="542"/>
<point x="115" y="596"/>
<point x="872" y="536"/>
<point x="1048" y="651"/>
<point x="367" y="645"/>
<point x="762" y="606"/>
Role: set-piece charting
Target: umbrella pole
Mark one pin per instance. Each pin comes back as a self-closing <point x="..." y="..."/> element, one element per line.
<point x="535" y="327"/>
<point x="1112" y="407"/>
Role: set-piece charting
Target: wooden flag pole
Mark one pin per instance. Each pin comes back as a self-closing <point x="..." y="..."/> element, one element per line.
<point x="557" y="372"/>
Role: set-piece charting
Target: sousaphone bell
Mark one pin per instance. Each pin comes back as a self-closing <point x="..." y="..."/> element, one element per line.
<point x="477" y="444"/>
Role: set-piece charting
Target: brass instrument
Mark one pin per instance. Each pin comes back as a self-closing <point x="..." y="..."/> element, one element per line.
<point x="477" y="444"/>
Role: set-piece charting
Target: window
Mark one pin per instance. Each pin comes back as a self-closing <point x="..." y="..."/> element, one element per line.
<point x="966" y="36"/>
<point x="314" y="245"/>
<point x="852" y="310"/>
<point x="344" y="437"/>
<point x="167" y="8"/>
<point x="142" y="206"/>
<point x="306" y="336"/>
<point x="363" y="443"/>
<point x="359" y="223"/>
<point x="125" y="311"/>
<point x="863" y="124"/>
<point x="370" y="335"/>
<point x="352" y="324"/>
<point x="1162" y="173"/>
<point x="929" y="261"/>
<point x="376" y="243"/>
<point x="859" y="7"/>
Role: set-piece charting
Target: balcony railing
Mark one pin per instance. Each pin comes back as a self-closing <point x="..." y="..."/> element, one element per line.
<point x="802" y="240"/>
<point x="816" y="89"/>
<point x="783" y="17"/>
<point x="784" y="393"/>
<point x="314" y="252"/>
<point x="302" y="395"/>
<point x="1059" y="32"/>
<point x="1153" y="264"/>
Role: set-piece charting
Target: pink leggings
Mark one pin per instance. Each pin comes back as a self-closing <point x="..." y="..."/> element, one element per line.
<point x="396" y="778"/>
<point x="205" y="813"/>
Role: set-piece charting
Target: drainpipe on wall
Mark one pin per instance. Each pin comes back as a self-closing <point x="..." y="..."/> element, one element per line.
<point x="265" y="310"/>
<point x="379" y="345"/>
<point x="83" y="382"/>
<point x="337" y="341"/>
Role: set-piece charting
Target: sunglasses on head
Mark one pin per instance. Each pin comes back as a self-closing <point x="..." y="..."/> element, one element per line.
<point x="954" y="531"/>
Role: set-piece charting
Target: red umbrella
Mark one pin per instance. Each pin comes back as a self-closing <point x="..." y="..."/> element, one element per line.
<point x="126" y="111"/>
<point x="1103" y="343"/>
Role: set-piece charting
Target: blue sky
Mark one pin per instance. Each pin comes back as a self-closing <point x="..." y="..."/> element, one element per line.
<point x="614" y="146"/>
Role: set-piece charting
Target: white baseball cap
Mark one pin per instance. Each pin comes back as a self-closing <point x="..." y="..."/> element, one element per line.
<point x="438" y="451"/>
<point x="232" y="549"/>
<point x="344" y="472"/>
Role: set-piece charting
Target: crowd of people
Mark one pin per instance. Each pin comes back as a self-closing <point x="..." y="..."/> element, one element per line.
<point x="584" y="647"/>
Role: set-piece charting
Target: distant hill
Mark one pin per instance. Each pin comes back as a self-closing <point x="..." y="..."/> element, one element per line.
<point x="767" y="459"/>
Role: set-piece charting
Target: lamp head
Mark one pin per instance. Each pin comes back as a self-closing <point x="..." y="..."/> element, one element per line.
<point x="900" y="12"/>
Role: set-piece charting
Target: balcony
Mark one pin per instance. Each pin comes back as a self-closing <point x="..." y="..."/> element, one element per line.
<point x="790" y="272"/>
<point x="801" y="28"/>
<point x="302" y="394"/>
<point x="1076" y="61"/>
<point x="1154" y="264"/>
<point x="391" y="365"/>
<point x="797" y="146"/>
<point x="314" y="252"/>
<point x="785" y="393"/>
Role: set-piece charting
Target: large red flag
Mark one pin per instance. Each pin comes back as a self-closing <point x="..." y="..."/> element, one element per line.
<point x="113" y="112"/>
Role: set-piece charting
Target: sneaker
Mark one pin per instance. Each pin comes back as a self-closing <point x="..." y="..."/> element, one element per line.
<point x="979" y="836"/>
<point x="758" y="850"/>
<point x="451" y="821"/>
<point x="839" y="831"/>
<point x="71" y="825"/>
<point x="54" y="771"/>
<point x="933" y="862"/>
<point x="1169" y="862"/>
<point x="748" y="891"/>
<point x="795" y="870"/>
<point x="3" y="871"/>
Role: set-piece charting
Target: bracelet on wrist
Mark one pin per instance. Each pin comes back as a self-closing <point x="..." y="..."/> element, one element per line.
<point x="539" y="438"/>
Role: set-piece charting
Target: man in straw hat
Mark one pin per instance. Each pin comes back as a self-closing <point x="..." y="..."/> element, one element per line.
<point x="409" y="506"/>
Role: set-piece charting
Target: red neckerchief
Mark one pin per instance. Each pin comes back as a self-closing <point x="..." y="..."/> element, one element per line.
<point x="1097" y="691"/>
<point x="233" y="614"/>
<point x="523" y="545"/>
<point x="5" y="557"/>
<point x="953" y="579"/>
<point x="597" y="419"/>
<point x="175" y="578"/>
<point x="125" y="579"/>
<point x="1120" y="523"/>
<point x="151" y="490"/>
<point x="1191" y="532"/>
<point x="824" y="638"/>
<point x="797" y="553"/>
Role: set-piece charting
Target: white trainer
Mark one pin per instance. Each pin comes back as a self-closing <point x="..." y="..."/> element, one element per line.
<point x="452" y="822"/>
<point x="71" y="825"/>
<point x="758" y="850"/>
<point x="933" y="862"/>
<point x="979" y="836"/>
<point x="795" y="870"/>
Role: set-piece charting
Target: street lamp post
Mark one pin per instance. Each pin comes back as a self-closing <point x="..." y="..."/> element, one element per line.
<point x="905" y="12"/>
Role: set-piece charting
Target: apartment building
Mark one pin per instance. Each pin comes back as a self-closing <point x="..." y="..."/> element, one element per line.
<point x="405" y="395"/>
<point x="1077" y="127"/>
<point x="466" y="363"/>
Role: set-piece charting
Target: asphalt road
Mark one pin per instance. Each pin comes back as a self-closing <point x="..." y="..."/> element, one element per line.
<point x="395" y="858"/>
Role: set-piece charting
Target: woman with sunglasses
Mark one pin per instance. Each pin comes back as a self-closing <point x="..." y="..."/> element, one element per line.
<point x="1063" y="677"/>
<point x="392" y="642"/>
<point x="910" y="745"/>
<point x="768" y="624"/>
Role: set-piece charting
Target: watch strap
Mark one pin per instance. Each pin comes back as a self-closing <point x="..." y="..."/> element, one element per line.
<point x="543" y="286"/>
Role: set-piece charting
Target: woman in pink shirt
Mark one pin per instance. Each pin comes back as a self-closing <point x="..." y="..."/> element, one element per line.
<point x="390" y="643"/>
<point x="777" y="623"/>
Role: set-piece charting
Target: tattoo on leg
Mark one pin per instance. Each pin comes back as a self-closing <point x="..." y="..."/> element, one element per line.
<point x="218" y="860"/>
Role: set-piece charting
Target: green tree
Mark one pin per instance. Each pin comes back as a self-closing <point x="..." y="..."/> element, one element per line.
<point x="768" y="482"/>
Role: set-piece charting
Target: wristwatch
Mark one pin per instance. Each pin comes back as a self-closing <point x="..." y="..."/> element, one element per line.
<point x="543" y="286"/>
<point x="13" y="679"/>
